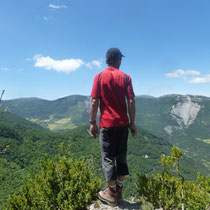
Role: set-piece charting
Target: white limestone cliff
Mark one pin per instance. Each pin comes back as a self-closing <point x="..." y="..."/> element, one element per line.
<point x="184" y="112"/>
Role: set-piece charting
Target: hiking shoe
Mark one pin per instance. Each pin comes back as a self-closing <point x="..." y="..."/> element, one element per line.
<point x="108" y="196"/>
<point x="119" y="195"/>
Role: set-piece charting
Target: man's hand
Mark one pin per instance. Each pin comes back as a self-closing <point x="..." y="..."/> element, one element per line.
<point x="132" y="113"/>
<point x="93" y="130"/>
<point x="133" y="129"/>
<point x="93" y="113"/>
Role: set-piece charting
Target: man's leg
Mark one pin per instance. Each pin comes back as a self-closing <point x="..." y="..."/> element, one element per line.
<point x="121" y="178"/>
<point x="119" y="181"/>
<point x="108" y="148"/>
<point x="111" y="183"/>
<point x="121" y="159"/>
<point x="119" y="188"/>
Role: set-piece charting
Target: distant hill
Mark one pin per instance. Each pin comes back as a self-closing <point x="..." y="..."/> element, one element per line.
<point x="166" y="115"/>
<point x="183" y="120"/>
<point x="8" y="117"/>
<point x="63" y="113"/>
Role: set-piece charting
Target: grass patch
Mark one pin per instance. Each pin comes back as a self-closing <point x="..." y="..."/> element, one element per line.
<point x="204" y="140"/>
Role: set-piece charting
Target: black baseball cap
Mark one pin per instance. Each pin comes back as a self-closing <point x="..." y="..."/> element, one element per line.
<point x="113" y="54"/>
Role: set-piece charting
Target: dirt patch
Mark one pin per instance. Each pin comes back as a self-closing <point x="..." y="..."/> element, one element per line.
<point x="63" y="121"/>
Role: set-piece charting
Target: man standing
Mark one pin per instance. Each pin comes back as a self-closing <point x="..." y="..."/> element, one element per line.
<point x="111" y="88"/>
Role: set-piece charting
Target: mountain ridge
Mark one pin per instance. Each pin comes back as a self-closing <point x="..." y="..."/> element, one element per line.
<point x="27" y="144"/>
<point x="183" y="120"/>
<point x="141" y="95"/>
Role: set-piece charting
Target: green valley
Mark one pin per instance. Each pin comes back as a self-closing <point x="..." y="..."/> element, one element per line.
<point x="28" y="143"/>
<point x="180" y="119"/>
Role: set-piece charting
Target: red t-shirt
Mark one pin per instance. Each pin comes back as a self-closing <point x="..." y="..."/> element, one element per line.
<point x="112" y="86"/>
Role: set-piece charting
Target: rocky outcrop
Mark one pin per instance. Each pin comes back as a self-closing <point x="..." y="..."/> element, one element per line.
<point x="168" y="129"/>
<point x="185" y="112"/>
<point x="87" y="104"/>
<point x="126" y="205"/>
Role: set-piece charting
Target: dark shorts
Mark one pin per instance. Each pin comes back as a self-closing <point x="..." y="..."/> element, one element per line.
<point x="113" y="141"/>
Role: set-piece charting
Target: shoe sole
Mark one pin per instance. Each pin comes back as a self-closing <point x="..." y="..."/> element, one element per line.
<point x="107" y="202"/>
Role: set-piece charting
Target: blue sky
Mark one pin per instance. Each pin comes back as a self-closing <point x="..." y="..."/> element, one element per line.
<point x="54" y="48"/>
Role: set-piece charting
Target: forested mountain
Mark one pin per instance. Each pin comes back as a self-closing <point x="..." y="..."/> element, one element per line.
<point x="17" y="120"/>
<point x="168" y="114"/>
<point x="183" y="120"/>
<point x="63" y="113"/>
<point x="163" y="116"/>
<point x="27" y="145"/>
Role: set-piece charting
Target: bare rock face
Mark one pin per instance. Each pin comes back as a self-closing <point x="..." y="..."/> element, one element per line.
<point x="185" y="112"/>
<point x="168" y="129"/>
<point x="126" y="205"/>
<point x="87" y="104"/>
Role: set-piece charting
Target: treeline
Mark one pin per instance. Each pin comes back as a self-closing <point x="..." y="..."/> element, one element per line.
<point x="27" y="144"/>
<point x="64" y="183"/>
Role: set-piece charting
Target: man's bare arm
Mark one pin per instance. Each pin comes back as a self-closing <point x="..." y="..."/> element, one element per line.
<point x="132" y="113"/>
<point x="93" y="114"/>
<point x="93" y="109"/>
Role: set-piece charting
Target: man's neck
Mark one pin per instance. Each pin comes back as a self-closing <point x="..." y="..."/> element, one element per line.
<point x="114" y="66"/>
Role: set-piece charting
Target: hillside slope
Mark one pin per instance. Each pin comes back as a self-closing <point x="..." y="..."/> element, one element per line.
<point x="163" y="116"/>
<point x="27" y="146"/>
<point x="63" y="113"/>
<point x="183" y="120"/>
<point x="8" y="117"/>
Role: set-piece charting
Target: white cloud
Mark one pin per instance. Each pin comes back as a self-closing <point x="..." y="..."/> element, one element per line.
<point x="190" y="76"/>
<point x="66" y="65"/>
<point x="48" y="19"/>
<point x="94" y="63"/>
<point x="4" y="69"/>
<point x="28" y="59"/>
<point x="45" y="18"/>
<point x="57" y="6"/>
<point x="204" y="79"/>
<point x="181" y="73"/>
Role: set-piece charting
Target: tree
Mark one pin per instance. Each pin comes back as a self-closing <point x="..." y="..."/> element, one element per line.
<point x="169" y="190"/>
<point x="3" y="148"/>
<point x="62" y="184"/>
<point x="7" y="107"/>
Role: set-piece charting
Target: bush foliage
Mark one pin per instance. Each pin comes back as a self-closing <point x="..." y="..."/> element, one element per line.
<point x="168" y="190"/>
<point x="62" y="184"/>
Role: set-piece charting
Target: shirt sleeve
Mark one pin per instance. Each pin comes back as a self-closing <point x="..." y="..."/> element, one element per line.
<point x="130" y="94"/>
<point x="96" y="89"/>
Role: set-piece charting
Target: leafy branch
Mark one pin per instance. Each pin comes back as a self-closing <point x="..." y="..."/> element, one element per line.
<point x="170" y="192"/>
<point x="3" y="148"/>
<point x="7" y="107"/>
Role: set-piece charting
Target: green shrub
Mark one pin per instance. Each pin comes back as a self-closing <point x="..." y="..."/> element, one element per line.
<point x="169" y="190"/>
<point x="62" y="184"/>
